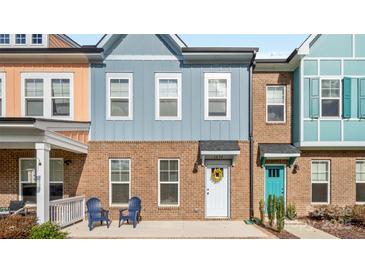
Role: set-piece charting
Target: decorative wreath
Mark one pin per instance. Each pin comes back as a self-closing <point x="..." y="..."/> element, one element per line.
<point x="217" y="175"/>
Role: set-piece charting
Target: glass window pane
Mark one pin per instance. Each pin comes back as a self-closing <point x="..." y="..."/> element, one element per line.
<point x="217" y="107"/>
<point x="174" y="165"/>
<point x="119" y="87"/>
<point x="275" y="95"/>
<point x="37" y="39"/>
<point x="20" y="38"/>
<point x="330" y="107"/>
<point x="360" y="192"/>
<point x="120" y="171"/>
<point x="119" y="107"/>
<point x="168" y="107"/>
<point x="56" y="170"/>
<point x="320" y="193"/>
<point x="360" y="171"/>
<point x="164" y="165"/>
<point x="169" y="194"/>
<point x="168" y="88"/>
<point x="34" y="107"/>
<point x="217" y="87"/>
<point x="61" y="107"/>
<point x="4" y="39"/>
<point x="33" y="87"/>
<point x="56" y="191"/>
<point x="164" y="176"/>
<point x="29" y="193"/>
<point x="24" y="165"/>
<point x="60" y="87"/>
<point x="275" y="113"/>
<point x="174" y="176"/>
<point x="120" y="193"/>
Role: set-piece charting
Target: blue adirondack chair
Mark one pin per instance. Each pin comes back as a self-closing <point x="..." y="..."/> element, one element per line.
<point x="134" y="210"/>
<point x="96" y="213"/>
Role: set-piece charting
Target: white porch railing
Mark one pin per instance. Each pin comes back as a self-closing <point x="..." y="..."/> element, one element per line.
<point x="67" y="211"/>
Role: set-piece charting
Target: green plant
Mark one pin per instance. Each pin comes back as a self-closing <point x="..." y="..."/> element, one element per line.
<point x="271" y="209"/>
<point x="47" y="231"/>
<point x="291" y="211"/>
<point x="262" y="210"/>
<point x="280" y="213"/>
<point x="16" y="226"/>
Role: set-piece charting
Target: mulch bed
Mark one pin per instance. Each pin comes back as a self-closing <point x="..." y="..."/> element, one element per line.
<point x="281" y="235"/>
<point x="343" y="231"/>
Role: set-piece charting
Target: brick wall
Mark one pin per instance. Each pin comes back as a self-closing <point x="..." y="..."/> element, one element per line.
<point x="144" y="181"/>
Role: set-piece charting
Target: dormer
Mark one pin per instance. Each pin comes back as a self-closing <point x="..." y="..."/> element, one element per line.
<point x="36" y="41"/>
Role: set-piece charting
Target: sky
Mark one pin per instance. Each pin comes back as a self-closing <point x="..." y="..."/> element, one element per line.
<point x="271" y="45"/>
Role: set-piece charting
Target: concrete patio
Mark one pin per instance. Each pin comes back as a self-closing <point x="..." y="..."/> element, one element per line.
<point x="170" y="230"/>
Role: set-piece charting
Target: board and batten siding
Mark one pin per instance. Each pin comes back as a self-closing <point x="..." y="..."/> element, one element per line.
<point x="192" y="126"/>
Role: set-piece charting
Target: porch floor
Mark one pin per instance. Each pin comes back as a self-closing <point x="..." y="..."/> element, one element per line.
<point x="170" y="230"/>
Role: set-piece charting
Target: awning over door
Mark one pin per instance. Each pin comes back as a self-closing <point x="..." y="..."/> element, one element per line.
<point x="219" y="151"/>
<point x="278" y="152"/>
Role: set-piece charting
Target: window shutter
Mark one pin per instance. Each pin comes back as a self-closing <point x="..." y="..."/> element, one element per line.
<point x="314" y="98"/>
<point x="346" y="100"/>
<point x="361" y="99"/>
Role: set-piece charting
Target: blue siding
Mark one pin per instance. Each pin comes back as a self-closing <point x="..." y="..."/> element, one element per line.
<point x="360" y="45"/>
<point x="310" y="67"/>
<point x="310" y="130"/>
<point x="330" y="67"/>
<point x="192" y="126"/>
<point x="354" y="67"/>
<point x="354" y="130"/>
<point x="332" y="45"/>
<point x="306" y="97"/>
<point x="330" y="130"/>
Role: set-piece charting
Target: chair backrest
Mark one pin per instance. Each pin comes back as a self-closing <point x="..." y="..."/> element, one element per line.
<point x="134" y="204"/>
<point x="93" y="205"/>
<point x="16" y="205"/>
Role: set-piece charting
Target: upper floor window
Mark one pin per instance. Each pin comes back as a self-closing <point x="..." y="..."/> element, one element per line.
<point x="275" y="104"/>
<point x="119" y="96"/>
<point x="4" y="39"/>
<point x="320" y="181"/>
<point x="217" y="90"/>
<point x="20" y="39"/>
<point x="330" y="97"/>
<point x="168" y="96"/>
<point x="37" y="39"/>
<point x="2" y="95"/>
<point x="47" y="95"/>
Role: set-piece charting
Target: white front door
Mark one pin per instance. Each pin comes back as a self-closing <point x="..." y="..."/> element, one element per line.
<point x="216" y="193"/>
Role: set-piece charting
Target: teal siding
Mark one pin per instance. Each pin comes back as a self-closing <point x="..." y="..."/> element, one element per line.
<point x="296" y="106"/>
<point x="354" y="67"/>
<point x="332" y="45"/>
<point x="354" y="130"/>
<point x="306" y="96"/>
<point x="346" y="100"/>
<point x="361" y="98"/>
<point x="360" y="45"/>
<point x="310" y="130"/>
<point x="314" y="98"/>
<point x="310" y="67"/>
<point x="330" y="130"/>
<point x="330" y="67"/>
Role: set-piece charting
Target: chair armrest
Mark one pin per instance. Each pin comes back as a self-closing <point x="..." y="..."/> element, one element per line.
<point x="123" y="209"/>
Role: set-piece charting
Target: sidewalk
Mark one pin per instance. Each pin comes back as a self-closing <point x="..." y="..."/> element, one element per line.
<point x="305" y="231"/>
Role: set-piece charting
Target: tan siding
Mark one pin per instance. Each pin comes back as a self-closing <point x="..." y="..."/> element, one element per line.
<point x="55" y="42"/>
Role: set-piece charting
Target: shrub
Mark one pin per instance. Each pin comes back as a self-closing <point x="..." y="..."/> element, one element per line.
<point x="291" y="211"/>
<point x="358" y="214"/>
<point x="271" y="209"/>
<point x="262" y="210"/>
<point x="280" y="213"/>
<point x="16" y="226"/>
<point x="47" y="231"/>
<point x="333" y="213"/>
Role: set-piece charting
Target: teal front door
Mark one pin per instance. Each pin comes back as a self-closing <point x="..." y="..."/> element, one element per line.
<point x="274" y="182"/>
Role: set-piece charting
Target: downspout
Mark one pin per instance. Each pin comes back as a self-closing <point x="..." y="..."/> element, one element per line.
<point x="250" y="137"/>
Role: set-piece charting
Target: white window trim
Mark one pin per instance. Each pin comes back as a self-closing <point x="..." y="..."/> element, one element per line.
<point x="359" y="182"/>
<point x="51" y="182"/>
<point x="159" y="184"/>
<point x="322" y="182"/>
<point x="3" y="94"/>
<point x="217" y="75"/>
<point x="275" y="104"/>
<point x="129" y="77"/>
<point x="110" y="182"/>
<point x="47" y="93"/>
<point x="28" y="43"/>
<point x="169" y="76"/>
<point x="339" y="98"/>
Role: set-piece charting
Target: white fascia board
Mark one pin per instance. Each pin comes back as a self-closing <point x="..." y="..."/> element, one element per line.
<point x="233" y="152"/>
<point x="304" y="48"/>
<point x="333" y="145"/>
<point x="64" y="142"/>
<point x="281" y="155"/>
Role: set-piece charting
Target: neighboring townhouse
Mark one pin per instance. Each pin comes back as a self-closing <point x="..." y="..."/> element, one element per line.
<point x="44" y="117"/>
<point x="309" y="126"/>
<point x="169" y="123"/>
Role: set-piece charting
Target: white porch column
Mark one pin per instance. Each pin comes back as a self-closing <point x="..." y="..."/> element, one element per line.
<point x="42" y="167"/>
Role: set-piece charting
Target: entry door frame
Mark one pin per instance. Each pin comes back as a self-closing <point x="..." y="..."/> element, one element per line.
<point x="284" y="166"/>
<point x="228" y="191"/>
